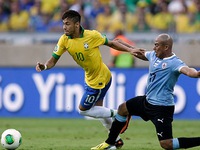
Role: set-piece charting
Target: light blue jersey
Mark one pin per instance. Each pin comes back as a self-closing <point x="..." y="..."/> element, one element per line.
<point x="163" y="75"/>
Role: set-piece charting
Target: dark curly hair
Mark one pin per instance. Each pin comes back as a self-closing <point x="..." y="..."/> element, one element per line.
<point x="72" y="14"/>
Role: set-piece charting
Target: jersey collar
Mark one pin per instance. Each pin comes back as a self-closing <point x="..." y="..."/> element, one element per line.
<point x="170" y="56"/>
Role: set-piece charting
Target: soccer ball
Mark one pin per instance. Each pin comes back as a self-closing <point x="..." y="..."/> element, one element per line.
<point x="11" y="139"/>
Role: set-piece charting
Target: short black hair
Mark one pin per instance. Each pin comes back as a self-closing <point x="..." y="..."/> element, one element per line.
<point x="72" y="14"/>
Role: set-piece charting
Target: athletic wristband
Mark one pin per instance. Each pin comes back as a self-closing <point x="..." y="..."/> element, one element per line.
<point x="45" y="67"/>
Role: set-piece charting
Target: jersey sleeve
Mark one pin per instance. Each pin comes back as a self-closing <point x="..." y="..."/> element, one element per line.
<point x="178" y="65"/>
<point x="59" y="48"/>
<point x="149" y="54"/>
<point x="99" y="39"/>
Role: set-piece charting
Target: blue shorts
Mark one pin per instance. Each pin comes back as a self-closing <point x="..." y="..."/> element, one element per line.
<point x="91" y="96"/>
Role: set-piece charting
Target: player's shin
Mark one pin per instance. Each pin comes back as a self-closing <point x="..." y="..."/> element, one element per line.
<point x="115" y="129"/>
<point x="106" y="122"/>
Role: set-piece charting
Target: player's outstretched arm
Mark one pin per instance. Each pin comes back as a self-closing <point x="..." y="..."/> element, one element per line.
<point x="48" y="65"/>
<point x="124" y="43"/>
<point x="122" y="46"/>
<point x="119" y="46"/>
<point x="139" y="53"/>
<point x="191" y="72"/>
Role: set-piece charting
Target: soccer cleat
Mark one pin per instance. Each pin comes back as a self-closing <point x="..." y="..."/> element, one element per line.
<point x="119" y="143"/>
<point x="126" y="125"/>
<point x="104" y="146"/>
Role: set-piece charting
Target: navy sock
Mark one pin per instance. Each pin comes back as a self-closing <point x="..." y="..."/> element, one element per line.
<point x="189" y="142"/>
<point x="114" y="131"/>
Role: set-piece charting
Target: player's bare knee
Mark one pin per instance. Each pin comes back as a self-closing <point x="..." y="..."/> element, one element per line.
<point x="122" y="110"/>
<point x="83" y="111"/>
<point x="166" y="144"/>
<point x="81" y="108"/>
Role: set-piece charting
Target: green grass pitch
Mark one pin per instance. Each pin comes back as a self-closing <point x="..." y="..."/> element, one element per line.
<point x="81" y="134"/>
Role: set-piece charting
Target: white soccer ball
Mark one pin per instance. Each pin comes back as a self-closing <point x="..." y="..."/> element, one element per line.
<point x="11" y="139"/>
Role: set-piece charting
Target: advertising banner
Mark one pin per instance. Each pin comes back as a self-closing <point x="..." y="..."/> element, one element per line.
<point x="56" y="93"/>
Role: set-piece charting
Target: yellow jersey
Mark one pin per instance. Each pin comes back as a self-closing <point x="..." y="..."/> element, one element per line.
<point x="85" y="51"/>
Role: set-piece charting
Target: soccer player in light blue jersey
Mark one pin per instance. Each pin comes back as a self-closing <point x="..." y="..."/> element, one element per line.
<point x="157" y="104"/>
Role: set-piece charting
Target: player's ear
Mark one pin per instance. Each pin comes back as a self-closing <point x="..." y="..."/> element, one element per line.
<point x="166" y="46"/>
<point x="77" y="24"/>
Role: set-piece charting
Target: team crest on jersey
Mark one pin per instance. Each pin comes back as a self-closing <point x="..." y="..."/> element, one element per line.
<point x="86" y="46"/>
<point x="164" y="65"/>
<point x="56" y="48"/>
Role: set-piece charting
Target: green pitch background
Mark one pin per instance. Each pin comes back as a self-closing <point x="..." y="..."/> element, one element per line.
<point x="81" y="134"/>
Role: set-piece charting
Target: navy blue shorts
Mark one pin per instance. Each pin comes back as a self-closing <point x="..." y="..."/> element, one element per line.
<point x="91" y="96"/>
<point x="161" y="116"/>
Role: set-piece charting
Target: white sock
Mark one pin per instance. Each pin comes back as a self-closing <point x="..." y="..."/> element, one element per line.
<point x="97" y="112"/>
<point x="107" y="122"/>
<point x="104" y="114"/>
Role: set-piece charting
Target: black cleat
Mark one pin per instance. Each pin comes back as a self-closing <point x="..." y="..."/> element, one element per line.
<point x="119" y="143"/>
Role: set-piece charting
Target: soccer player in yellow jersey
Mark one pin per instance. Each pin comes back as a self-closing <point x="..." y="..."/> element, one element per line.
<point x="83" y="46"/>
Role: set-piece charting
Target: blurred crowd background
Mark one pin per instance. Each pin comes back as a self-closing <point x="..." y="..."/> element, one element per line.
<point x="110" y="16"/>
